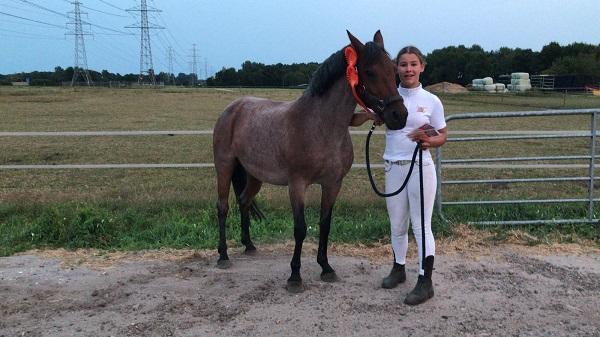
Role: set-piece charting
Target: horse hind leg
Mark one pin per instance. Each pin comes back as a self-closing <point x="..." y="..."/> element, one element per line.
<point x="224" y="174"/>
<point x="251" y="186"/>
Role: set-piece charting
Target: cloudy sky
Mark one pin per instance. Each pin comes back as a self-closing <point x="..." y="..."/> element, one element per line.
<point x="34" y="33"/>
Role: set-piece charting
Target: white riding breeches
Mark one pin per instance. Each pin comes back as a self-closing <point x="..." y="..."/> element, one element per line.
<point x="406" y="206"/>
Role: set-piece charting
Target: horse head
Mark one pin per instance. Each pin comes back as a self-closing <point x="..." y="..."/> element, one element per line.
<point x="377" y="81"/>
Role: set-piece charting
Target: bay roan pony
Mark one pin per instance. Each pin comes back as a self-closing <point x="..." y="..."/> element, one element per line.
<point x="300" y="143"/>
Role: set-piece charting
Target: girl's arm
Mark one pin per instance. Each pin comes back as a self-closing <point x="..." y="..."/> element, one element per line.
<point x="430" y="141"/>
<point x="359" y="118"/>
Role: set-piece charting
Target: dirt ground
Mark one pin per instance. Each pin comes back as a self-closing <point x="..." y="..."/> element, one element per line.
<point x="495" y="290"/>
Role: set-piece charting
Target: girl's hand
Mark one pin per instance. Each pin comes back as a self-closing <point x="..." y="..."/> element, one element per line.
<point x="428" y="142"/>
<point x="419" y="135"/>
<point x="373" y="116"/>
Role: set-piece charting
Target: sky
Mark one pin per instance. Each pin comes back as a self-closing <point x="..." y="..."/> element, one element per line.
<point x="228" y="32"/>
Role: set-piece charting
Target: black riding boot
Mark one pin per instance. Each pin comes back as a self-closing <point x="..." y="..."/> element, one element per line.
<point x="397" y="275"/>
<point x="424" y="288"/>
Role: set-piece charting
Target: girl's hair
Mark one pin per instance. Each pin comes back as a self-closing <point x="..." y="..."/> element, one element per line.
<point x="411" y="50"/>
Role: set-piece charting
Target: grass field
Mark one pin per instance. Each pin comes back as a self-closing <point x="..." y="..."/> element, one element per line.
<point x="146" y="208"/>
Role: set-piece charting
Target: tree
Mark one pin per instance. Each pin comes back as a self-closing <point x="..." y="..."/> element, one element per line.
<point x="582" y="64"/>
<point x="549" y="53"/>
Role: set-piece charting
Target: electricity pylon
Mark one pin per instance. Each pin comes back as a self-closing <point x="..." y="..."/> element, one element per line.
<point x="194" y="66"/>
<point x="170" y="71"/>
<point x="80" y="65"/>
<point x="146" y="66"/>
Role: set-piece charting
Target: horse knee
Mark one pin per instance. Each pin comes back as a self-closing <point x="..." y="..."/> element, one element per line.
<point x="222" y="208"/>
<point x="300" y="232"/>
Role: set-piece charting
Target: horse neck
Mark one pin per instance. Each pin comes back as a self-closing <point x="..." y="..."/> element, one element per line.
<point x="333" y="109"/>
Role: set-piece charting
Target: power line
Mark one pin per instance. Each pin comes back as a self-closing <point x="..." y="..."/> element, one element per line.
<point x="168" y="30"/>
<point x="68" y="17"/>
<point x="44" y="8"/>
<point x="22" y="18"/>
<point x="31" y="24"/>
<point x="103" y="12"/>
<point x="111" y="5"/>
<point x="30" y="36"/>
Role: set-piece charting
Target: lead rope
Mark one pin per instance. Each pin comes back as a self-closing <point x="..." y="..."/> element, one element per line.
<point x="418" y="150"/>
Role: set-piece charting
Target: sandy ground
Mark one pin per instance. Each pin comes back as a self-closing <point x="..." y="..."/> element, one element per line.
<point x="497" y="290"/>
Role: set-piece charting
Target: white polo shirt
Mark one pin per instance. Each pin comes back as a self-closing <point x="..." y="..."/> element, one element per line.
<point x="423" y="108"/>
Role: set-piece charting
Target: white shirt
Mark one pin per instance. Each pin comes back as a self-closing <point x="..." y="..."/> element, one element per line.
<point x="423" y="108"/>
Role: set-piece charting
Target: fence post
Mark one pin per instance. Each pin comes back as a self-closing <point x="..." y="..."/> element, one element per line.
<point x="592" y="167"/>
<point x="438" y="172"/>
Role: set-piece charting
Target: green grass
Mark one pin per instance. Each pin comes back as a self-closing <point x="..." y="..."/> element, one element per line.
<point x="129" y="227"/>
<point x="154" y="208"/>
<point x="123" y="226"/>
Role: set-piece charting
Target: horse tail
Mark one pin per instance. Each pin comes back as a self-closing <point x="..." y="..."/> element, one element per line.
<point x="238" y="181"/>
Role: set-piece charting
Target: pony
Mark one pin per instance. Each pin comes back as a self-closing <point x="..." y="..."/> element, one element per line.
<point x="299" y="143"/>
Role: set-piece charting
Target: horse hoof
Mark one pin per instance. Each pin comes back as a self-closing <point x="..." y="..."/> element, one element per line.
<point x="295" y="287"/>
<point x="223" y="264"/>
<point x="329" y="277"/>
<point x="250" y="250"/>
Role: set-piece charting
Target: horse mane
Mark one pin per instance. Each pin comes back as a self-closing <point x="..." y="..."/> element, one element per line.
<point x="335" y="66"/>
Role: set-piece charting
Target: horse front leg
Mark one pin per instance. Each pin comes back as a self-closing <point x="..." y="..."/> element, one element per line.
<point x="328" y="195"/>
<point x="297" y="191"/>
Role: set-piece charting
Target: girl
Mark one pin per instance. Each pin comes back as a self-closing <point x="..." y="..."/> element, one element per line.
<point x="425" y="110"/>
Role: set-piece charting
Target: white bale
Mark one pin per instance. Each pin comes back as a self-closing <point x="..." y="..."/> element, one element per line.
<point x="490" y="87"/>
<point x="477" y="81"/>
<point x="518" y="81"/>
<point x="509" y="87"/>
<point x="500" y="86"/>
<point x="523" y="76"/>
<point x="521" y="87"/>
<point x="488" y="80"/>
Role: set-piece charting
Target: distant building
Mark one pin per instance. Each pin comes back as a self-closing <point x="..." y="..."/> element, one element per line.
<point x="22" y="83"/>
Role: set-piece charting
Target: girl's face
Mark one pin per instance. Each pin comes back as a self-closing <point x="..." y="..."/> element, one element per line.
<point x="409" y="70"/>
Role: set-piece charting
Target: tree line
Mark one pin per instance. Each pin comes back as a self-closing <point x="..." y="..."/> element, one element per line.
<point x="456" y="64"/>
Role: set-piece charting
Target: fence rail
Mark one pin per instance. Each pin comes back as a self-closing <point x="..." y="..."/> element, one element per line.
<point x="590" y="178"/>
<point x="462" y="163"/>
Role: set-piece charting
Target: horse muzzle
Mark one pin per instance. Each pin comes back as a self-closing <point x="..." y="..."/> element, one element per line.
<point x="392" y="111"/>
<point x="394" y="118"/>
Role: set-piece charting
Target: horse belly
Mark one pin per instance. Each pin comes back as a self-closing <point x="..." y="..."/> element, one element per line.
<point x="267" y="171"/>
<point x="263" y="161"/>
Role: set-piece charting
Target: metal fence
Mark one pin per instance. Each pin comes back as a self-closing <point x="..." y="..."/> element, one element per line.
<point x="441" y="163"/>
<point x="589" y="199"/>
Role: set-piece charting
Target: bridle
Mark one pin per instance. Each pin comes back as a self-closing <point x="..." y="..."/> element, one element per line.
<point x="362" y="95"/>
<point x="376" y="104"/>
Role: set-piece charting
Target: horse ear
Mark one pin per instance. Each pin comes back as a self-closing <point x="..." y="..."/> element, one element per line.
<point x="358" y="46"/>
<point x="378" y="39"/>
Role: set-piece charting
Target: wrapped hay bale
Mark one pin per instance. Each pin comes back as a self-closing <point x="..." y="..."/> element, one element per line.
<point x="500" y="87"/>
<point x="519" y="76"/>
<point x="520" y="81"/>
<point x="521" y="87"/>
<point x="488" y="80"/>
<point x="490" y="87"/>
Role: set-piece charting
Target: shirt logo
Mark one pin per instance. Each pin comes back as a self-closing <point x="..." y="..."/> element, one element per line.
<point x="422" y="109"/>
